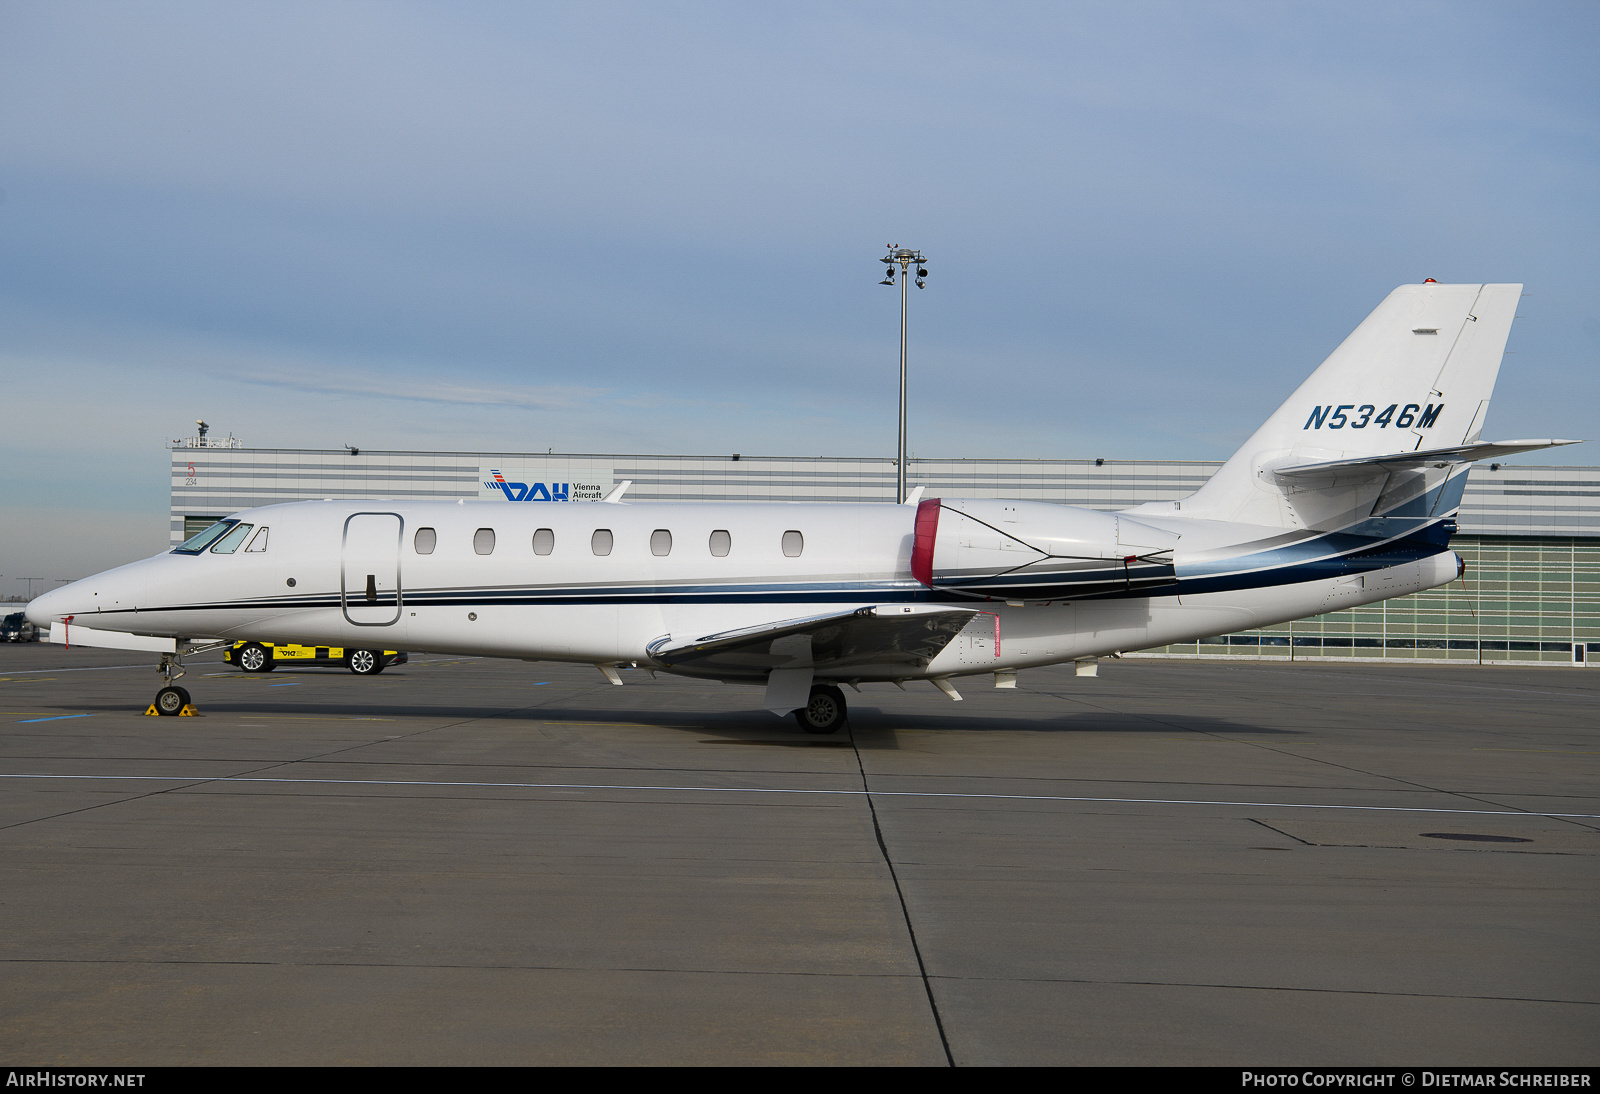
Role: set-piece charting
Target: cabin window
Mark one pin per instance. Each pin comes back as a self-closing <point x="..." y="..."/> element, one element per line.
<point x="483" y="541"/>
<point x="793" y="543"/>
<point x="230" y="542"/>
<point x="544" y="541"/>
<point x="258" y="542"/>
<point x="660" y="542"/>
<point x="600" y="542"/>
<point x="721" y="543"/>
<point x="425" y="541"/>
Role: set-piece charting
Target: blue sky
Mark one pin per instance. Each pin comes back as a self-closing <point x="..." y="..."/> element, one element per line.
<point x="655" y="227"/>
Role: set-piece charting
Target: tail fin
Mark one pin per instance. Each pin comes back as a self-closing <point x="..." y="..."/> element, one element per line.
<point x="1416" y="374"/>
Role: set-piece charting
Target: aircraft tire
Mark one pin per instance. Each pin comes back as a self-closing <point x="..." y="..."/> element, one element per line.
<point x="824" y="712"/>
<point x="254" y="658"/>
<point x="171" y="700"/>
<point x="364" y="662"/>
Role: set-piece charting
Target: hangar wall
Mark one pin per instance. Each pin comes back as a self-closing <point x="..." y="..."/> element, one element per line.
<point x="1530" y="533"/>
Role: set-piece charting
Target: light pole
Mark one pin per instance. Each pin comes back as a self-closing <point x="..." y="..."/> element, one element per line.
<point x="905" y="258"/>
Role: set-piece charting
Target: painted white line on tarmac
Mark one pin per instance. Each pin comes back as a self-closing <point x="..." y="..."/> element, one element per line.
<point x="770" y="790"/>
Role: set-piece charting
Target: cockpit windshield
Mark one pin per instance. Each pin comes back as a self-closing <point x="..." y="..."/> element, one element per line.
<point x="230" y="542"/>
<point x="201" y="540"/>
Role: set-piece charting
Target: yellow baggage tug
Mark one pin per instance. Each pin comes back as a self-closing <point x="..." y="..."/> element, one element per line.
<point x="266" y="656"/>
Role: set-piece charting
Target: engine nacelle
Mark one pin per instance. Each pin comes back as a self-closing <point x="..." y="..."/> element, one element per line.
<point x="1034" y="550"/>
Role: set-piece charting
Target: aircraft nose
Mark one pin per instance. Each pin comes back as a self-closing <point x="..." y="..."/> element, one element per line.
<point x="46" y="609"/>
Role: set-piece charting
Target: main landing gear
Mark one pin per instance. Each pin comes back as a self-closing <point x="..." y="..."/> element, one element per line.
<point x="172" y="701"/>
<point x="824" y="712"/>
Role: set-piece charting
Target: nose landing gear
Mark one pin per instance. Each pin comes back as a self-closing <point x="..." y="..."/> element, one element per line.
<point x="172" y="701"/>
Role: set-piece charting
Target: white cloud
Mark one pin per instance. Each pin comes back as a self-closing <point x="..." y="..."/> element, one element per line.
<point x="375" y="385"/>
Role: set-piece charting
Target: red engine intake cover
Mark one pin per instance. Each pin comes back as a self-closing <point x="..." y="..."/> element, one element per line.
<point x="922" y="543"/>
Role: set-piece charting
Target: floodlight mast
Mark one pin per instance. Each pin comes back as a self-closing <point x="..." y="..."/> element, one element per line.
<point x="905" y="258"/>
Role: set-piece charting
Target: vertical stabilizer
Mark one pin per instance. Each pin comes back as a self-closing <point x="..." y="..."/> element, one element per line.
<point x="1417" y="373"/>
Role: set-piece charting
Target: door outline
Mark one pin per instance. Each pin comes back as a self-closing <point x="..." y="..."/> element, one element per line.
<point x="344" y="559"/>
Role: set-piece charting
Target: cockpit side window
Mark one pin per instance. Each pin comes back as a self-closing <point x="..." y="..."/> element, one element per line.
<point x="200" y="541"/>
<point x="258" y="542"/>
<point x="230" y="542"/>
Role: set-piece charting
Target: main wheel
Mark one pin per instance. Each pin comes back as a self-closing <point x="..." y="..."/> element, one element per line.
<point x="171" y="700"/>
<point x="254" y="658"/>
<point x="824" y="712"/>
<point x="364" y="662"/>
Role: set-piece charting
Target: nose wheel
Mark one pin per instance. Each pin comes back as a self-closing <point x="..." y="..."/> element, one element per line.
<point x="172" y="701"/>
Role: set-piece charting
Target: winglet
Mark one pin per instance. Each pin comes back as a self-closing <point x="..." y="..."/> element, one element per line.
<point x="615" y="495"/>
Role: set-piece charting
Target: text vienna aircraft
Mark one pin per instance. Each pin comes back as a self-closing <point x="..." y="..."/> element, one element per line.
<point x="1345" y="496"/>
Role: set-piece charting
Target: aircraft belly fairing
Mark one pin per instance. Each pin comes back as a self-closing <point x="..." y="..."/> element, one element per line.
<point x="880" y="641"/>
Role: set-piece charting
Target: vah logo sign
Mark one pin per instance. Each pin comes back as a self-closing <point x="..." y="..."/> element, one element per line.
<point x="544" y="491"/>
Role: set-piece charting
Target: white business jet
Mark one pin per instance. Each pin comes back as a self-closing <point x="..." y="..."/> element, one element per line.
<point x="1344" y="497"/>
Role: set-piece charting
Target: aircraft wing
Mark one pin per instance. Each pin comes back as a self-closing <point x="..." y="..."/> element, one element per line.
<point x="1461" y="453"/>
<point x="882" y="638"/>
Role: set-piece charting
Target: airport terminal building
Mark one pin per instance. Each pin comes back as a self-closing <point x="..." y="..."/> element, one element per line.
<point x="1530" y="534"/>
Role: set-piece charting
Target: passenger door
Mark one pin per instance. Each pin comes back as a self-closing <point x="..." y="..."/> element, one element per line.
<point x="369" y="572"/>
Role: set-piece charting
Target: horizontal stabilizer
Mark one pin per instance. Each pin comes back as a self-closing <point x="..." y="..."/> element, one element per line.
<point x="904" y="636"/>
<point x="1461" y="453"/>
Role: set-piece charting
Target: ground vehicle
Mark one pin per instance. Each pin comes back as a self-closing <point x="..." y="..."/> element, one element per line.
<point x="266" y="656"/>
<point x="16" y="628"/>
